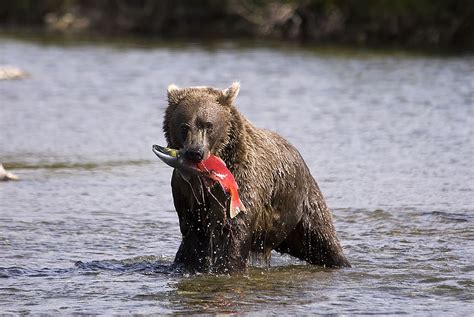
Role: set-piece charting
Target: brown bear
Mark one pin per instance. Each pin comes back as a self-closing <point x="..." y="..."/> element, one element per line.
<point x="285" y="210"/>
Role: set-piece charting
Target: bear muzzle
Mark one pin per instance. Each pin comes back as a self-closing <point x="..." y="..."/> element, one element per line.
<point x="195" y="155"/>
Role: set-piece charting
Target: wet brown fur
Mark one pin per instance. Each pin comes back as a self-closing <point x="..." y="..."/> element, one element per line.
<point x="285" y="208"/>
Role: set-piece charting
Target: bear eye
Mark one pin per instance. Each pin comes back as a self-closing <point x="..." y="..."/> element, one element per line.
<point x="184" y="130"/>
<point x="208" y="126"/>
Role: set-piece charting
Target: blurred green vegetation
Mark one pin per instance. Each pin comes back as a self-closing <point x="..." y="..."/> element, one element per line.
<point x="408" y="23"/>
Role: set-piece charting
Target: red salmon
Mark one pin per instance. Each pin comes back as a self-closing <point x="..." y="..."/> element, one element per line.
<point x="214" y="168"/>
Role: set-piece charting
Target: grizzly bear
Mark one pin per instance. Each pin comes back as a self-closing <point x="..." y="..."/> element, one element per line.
<point x="284" y="208"/>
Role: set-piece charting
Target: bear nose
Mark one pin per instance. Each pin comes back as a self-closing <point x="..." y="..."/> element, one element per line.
<point x="195" y="155"/>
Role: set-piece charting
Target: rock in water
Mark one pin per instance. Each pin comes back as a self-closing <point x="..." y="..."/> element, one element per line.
<point x="6" y="176"/>
<point x="10" y="72"/>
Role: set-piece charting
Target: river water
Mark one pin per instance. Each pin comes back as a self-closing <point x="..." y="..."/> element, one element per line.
<point x="90" y="227"/>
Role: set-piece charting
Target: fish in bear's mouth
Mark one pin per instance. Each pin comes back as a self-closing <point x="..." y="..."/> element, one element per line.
<point x="213" y="168"/>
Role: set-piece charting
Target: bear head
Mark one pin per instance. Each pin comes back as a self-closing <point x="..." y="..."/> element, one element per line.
<point x="198" y="119"/>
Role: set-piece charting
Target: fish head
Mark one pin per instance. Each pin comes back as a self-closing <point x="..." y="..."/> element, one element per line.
<point x="167" y="155"/>
<point x="176" y="159"/>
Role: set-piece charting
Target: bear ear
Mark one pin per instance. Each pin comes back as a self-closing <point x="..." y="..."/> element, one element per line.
<point x="172" y="87"/>
<point x="231" y="93"/>
<point x="173" y="93"/>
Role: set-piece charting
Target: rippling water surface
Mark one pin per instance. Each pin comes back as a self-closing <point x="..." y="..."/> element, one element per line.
<point x="91" y="228"/>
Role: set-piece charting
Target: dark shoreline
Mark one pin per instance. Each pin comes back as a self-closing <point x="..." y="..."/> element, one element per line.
<point x="445" y="25"/>
<point x="126" y="40"/>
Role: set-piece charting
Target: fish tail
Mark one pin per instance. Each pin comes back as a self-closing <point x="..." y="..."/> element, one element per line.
<point x="236" y="205"/>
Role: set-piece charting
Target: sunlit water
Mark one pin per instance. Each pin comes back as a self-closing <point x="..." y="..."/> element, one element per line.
<point x="91" y="228"/>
